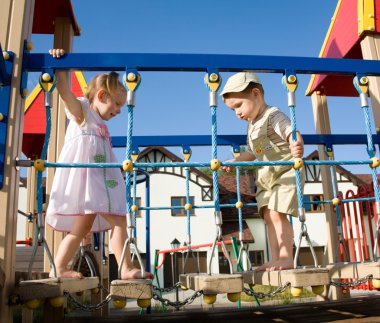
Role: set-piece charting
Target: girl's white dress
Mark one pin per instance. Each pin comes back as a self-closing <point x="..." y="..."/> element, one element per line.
<point x="80" y="191"/>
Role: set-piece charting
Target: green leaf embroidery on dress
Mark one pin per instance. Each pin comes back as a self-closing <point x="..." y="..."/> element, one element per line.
<point x="111" y="183"/>
<point x="100" y="158"/>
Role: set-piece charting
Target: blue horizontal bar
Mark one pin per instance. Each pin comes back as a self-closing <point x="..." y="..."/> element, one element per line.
<point x="231" y="140"/>
<point x="199" y="63"/>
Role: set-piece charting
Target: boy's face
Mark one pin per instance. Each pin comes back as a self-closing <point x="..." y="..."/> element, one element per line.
<point x="247" y="106"/>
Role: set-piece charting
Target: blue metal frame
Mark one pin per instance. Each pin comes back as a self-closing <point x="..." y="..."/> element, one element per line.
<point x="200" y="62"/>
<point x="236" y="140"/>
<point x="5" y="92"/>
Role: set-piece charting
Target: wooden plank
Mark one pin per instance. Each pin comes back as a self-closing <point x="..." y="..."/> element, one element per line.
<point x="2" y="277"/>
<point x="136" y="288"/>
<point x="213" y="284"/>
<point x="296" y="277"/>
<point x="354" y="270"/>
<point x="63" y="38"/>
<point x="370" y="46"/>
<point x="53" y="287"/>
<point x="322" y="126"/>
<point x="16" y="21"/>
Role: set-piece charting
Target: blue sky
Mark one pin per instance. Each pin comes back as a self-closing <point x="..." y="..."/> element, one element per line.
<point x="176" y="103"/>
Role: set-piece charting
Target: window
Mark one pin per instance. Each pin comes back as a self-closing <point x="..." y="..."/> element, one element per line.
<point x="311" y="203"/>
<point x="181" y="201"/>
<point x="138" y="203"/>
<point x="256" y="257"/>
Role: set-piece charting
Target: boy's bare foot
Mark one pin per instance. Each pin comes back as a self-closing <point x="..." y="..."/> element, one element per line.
<point x="66" y="274"/>
<point x="281" y="265"/>
<point x="135" y="273"/>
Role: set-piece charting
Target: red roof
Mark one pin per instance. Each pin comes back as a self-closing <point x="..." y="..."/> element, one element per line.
<point x="35" y="118"/>
<point x="45" y="13"/>
<point x="343" y="41"/>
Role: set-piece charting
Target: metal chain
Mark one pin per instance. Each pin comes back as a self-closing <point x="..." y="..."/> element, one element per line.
<point x="178" y="304"/>
<point x="167" y="289"/>
<point x="89" y="308"/>
<point x="261" y="295"/>
<point x="354" y="283"/>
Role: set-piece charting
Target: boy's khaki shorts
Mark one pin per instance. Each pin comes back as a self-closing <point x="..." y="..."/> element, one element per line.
<point x="277" y="190"/>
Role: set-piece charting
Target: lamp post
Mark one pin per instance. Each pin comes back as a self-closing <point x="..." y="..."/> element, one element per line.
<point x="175" y="244"/>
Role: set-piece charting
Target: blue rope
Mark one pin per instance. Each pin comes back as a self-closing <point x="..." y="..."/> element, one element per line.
<point x="134" y="202"/>
<point x="188" y="199"/>
<point x="298" y="173"/>
<point x="370" y="150"/>
<point x="214" y="156"/>
<point x="205" y="164"/>
<point x="128" y="157"/>
<point x="43" y="156"/>
<point x="335" y="193"/>
<point x="240" y="212"/>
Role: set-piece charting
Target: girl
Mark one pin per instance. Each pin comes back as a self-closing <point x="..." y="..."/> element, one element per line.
<point x="89" y="199"/>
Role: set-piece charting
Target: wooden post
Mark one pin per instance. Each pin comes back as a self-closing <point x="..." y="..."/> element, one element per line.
<point x="63" y="38"/>
<point x="16" y="18"/>
<point x="371" y="50"/>
<point x="322" y="126"/>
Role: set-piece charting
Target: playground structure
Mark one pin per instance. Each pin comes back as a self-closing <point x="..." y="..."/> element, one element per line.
<point x="17" y="62"/>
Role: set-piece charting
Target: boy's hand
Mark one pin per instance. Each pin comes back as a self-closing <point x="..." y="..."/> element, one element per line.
<point x="296" y="149"/>
<point x="57" y="52"/>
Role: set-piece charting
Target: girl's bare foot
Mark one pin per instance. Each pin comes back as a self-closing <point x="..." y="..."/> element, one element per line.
<point x="135" y="273"/>
<point x="66" y="274"/>
<point x="265" y="266"/>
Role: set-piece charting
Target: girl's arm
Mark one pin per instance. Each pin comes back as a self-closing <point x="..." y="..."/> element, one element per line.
<point x="64" y="90"/>
<point x="244" y="156"/>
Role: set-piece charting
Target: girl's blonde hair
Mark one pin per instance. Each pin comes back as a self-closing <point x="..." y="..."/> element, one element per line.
<point x="107" y="82"/>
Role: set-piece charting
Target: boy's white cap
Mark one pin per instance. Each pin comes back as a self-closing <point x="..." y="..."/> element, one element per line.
<point x="239" y="81"/>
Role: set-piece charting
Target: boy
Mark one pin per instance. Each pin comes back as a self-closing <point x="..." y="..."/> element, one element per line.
<point x="269" y="138"/>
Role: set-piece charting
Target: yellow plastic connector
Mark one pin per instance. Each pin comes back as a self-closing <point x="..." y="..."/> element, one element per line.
<point x="318" y="290"/>
<point x="296" y="291"/>
<point x="298" y="163"/>
<point x="134" y="208"/>
<point x="143" y="303"/>
<point x="25" y="92"/>
<point x="39" y="165"/>
<point x="188" y="206"/>
<point x="131" y="77"/>
<point x="209" y="298"/>
<point x="233" y="297"/>
<point x="364" y="80"/>
<point x="239" y="204"/>
<point x="335" y="201"/>
<point x="58" y="301"/>
<point x="375" y="162"/>
<point x="46" y="77"/>
<point x="119" y="303"/>
<point x="376" y="283"/>
<point x="29" y="46"/>
<point x="5" y="55"/>
<point x="215" y="164"/>
<point x="1" y="117"/>
<point x="127" y="165"/>
<point x="292" y="79"/>
<point x="213" y="77"/>
<point x="33" y="304"/>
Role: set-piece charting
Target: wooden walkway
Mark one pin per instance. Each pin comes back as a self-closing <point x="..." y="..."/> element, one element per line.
<point x="358" y="310"/>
